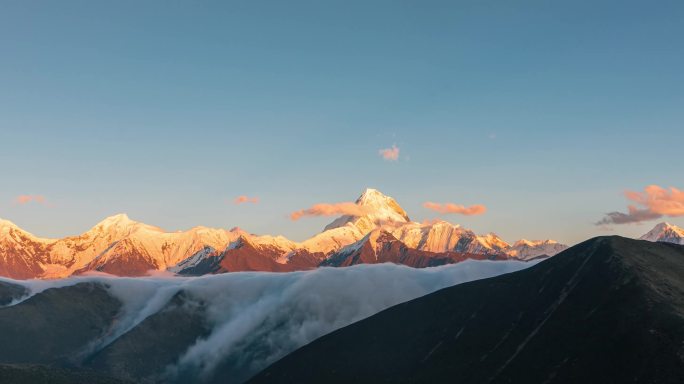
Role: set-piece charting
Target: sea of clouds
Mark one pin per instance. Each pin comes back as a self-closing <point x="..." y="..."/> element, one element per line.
<point x="258" y="317"/>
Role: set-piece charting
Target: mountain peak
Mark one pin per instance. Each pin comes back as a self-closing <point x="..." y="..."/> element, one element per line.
<point x="118" y="219"/>
<point x="665" y="232"/>
<point x="121" y="225"/>
<point x="7" y="224"/>
<point x="369" y="194"/>
<point x="665" y="225"/>
<point x="374" y="198"/>
<point x="381" y="209"/>
<point x="533" y="243"/>
<point x="523" y="242"/>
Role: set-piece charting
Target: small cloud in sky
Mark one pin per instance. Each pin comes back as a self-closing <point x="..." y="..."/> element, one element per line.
<point x="245" y="199"/>
<point x="325" y="209"/>
<point x="653" y="203"/>
<point x="390" y="154"/>
<point x="492" y="136"/>
<point x="26" y="199"/>
<point x="458" y="209"/>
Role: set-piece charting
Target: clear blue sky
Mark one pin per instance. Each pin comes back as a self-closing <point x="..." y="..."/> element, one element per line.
<point x="544" y="111"/>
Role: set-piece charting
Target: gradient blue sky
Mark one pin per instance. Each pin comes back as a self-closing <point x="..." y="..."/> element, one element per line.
<point x="544" y="111"/>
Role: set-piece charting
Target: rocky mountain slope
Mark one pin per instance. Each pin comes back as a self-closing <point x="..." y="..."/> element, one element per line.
<point x="380" y="246"/>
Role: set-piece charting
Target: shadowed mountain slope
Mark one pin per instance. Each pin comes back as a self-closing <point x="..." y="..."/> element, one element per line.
<point x="57" y="325"/>
<point x="10" y="292"/>
<point x="140" y="354"/>
<point x="610" y="310"/>
<point x="34" y="374"/>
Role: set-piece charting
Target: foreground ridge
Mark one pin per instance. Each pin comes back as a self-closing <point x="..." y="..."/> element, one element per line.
<point x="607" y="310"/>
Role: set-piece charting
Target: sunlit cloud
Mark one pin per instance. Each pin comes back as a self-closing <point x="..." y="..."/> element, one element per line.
<point x="653" y="203"/>
<point x="324" y="209"/>
<point x="25" y="199"/>
<point x="246" y="199"/>
<point x="634" y="215"/>
<point x="390" y="154"/>
<point x="667" y="202"/>
<point x="458" y="209"/>
<point x="431" y="221"/>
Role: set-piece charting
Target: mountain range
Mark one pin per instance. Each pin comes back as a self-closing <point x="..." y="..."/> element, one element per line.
<point x="121" y="246"/>
<point x="384" y="233"/>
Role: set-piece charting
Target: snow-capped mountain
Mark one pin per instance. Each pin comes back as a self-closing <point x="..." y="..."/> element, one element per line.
<point x="442" y="236"/>
<point x="380" y="246"/>
<point x="665" y="232"/>
<point x="382" y="211"/>
<point x="530" y="249"/>
<point x="121" y="246"/>
<point x="21" y="253"/>
<point x="116" y="245"/>
<point x="386" y="213"/>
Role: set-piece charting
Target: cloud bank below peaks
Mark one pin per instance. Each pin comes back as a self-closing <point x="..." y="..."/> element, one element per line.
<point x="255" y="318"/>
